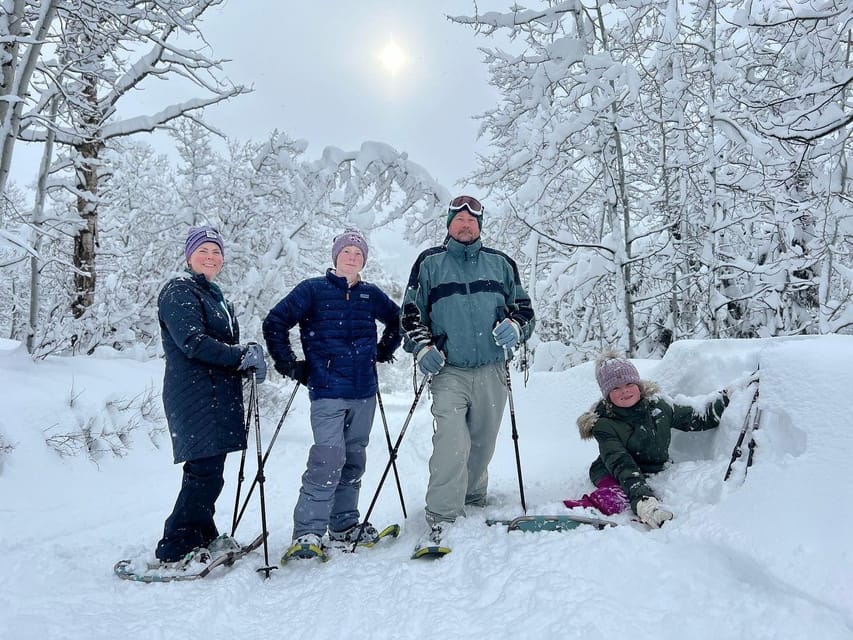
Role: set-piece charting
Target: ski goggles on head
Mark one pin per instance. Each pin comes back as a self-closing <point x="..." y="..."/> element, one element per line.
<point x="467" y="202"/>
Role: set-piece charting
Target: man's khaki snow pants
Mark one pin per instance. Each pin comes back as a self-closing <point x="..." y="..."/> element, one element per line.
<point x="467" y="405"/>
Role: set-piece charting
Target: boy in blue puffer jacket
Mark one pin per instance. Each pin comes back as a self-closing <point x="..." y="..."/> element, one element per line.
<point x="337" y="315"/>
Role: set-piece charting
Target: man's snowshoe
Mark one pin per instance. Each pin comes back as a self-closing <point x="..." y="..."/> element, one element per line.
<point x="431" y="547"/>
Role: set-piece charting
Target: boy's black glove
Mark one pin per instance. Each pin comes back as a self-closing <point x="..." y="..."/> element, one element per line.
<point x="295" y="370"/>
<point x="383" y="355"/>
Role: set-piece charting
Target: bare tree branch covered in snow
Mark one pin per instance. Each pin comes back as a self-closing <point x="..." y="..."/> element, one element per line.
<point x="65" y="86"/>
<point x="276" y="207"/>
<point x="108" y="429"/>
<point x="674" y="169"/>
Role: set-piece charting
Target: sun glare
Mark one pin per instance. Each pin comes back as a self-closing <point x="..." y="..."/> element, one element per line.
<point x="392" y="57"/>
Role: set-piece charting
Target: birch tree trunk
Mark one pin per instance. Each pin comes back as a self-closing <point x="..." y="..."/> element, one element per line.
<point x="17" y="72"/>
<point x="37" y="221"/>
<point x="620" y="211"/>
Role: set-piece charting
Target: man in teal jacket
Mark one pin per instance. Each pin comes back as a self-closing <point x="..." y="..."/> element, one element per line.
<point x="463" y="312"/>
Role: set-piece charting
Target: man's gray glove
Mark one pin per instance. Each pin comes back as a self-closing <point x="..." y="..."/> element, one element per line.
<point x="650" y="512"/>
<point x="430" y="360"/>
<point x="253" y="358"/>
<point x="507" y="333"/>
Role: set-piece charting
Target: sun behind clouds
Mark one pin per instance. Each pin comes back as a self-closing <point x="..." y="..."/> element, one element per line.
<point x="392" y="57"/>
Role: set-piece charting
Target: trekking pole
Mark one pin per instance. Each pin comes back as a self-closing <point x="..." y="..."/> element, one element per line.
<point x="756" y="423"/>
<point x="514" y="430"/>
<point x="238" y="517"/>
<point x="393" y="457"/>
<point x="737" y="452"/>
<point x="240" y="477"/>
<point x="267" y="569"/>
<point x="393" y="462"/>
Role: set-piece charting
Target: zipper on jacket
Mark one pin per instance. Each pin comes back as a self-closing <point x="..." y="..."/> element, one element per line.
<point x="471" y="316"/>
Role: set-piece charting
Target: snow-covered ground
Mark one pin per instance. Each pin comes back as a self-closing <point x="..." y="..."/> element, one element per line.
<point x="766" y="558"/>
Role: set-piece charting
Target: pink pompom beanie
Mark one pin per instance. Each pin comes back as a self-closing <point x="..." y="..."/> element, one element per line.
<point x="612" y="370"/>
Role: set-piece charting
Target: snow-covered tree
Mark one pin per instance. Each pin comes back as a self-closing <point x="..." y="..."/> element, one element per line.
<point x="650" y="180"/>
<point x="277" y="209"/>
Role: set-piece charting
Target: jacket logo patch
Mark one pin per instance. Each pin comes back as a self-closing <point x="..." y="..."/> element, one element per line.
<point x="365" y="296"/>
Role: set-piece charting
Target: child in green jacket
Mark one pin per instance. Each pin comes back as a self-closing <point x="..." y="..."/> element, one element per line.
<point x="633" y="427"/>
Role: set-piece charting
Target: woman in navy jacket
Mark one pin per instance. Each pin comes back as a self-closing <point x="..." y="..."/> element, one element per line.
<point x="337" y="315"/>
<point x="202" y="391"/>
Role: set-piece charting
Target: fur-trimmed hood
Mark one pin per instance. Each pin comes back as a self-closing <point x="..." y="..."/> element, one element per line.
<point x="586" y="421"/>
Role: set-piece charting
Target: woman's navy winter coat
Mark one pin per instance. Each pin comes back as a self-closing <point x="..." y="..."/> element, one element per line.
<point x="337" y="326"/>
<point x="202" y="389"/>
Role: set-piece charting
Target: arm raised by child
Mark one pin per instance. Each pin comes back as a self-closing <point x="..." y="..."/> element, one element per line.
<point x="687" y="418"/>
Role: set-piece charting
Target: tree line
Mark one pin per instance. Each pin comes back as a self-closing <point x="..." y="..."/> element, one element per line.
<point x="660" y="170"/>
<point x="675" y="169"/>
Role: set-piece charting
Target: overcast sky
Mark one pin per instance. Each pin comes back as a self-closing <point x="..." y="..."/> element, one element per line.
<point x="317" y="75"/>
